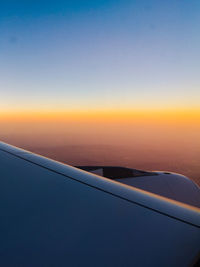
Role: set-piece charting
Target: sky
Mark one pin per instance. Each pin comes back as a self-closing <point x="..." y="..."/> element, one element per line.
<point x="58" y="56"/>
<point x="103" y="81"/>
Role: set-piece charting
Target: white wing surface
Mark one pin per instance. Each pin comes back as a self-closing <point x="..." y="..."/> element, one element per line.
<point x="53" y="214"/>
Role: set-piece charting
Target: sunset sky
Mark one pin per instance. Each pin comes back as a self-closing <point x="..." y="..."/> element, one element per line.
<point x="69" y="55"/>
<point x="117" y="72"/>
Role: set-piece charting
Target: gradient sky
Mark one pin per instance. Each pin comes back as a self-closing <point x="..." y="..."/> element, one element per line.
<point x="61" y="55"/>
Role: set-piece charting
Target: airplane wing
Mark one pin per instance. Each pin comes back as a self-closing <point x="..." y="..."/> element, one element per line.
<point x="53" y="214"/>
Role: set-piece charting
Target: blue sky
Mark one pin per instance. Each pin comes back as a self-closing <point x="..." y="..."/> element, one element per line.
<point x="99" y="54"/>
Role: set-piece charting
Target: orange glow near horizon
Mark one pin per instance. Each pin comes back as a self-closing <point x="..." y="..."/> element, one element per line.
<point x="179" y="116"/>
<point x="144" y="139"/>
<point x="123" y="127"/>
